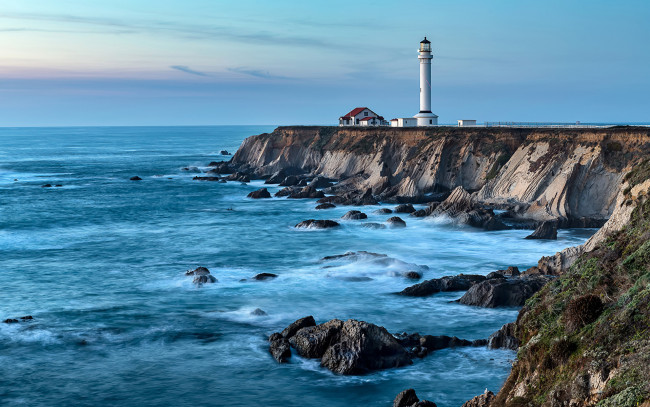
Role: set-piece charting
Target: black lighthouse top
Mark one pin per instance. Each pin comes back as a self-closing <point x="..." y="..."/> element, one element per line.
<point x="425" y="45"/>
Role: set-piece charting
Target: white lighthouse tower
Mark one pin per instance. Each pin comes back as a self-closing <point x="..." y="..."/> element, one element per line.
<point x="425" y="117"/>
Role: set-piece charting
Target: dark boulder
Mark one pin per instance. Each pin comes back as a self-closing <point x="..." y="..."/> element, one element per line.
<point x="191" y="169"/>
<point x="421" y="213"/>
<point x="219" y="167"/>
<point x="511" y="271"/>
<point x="307" y="192"/>
<point x="258" y="312"/>
<point x="224" y="152"/>
<point x="260" y="194"/>
<point x="200" y="280"/>
<point x="136" y="178"/>
<point x="546" y="230"/>
<point x="383" y="211"/>
<point x="286" y="191"/>
<point x="58" y="185"/>
<point x="291" y="180"/>
<point x="264" y="276"/>
<point x="504" y="338"/>
<point x="298" y="325"/>
<point x="461" y="282"/>
<point x="334" y="199"/>
<point x="317" y="224"/>
<point x="209" y="179"/>
<point x="19" y="319"/>
<point x="413" y="275"/>
<point x="199" y="271"/>
<point x="325" y="206"/>
<point x="363" y="347"/>
<point x="404" y="208"/>
<point x="276" y="178"/>
<point x="279" y="348"/>
<point x="239" y="176"/>
<point x="313" y="341"/>
<point x="407" y="398"/>
<point x="396" y="222"/>
<point x="494" y="274"/>
<point x="503" y="292"/>
<point x="50" y="185"/>
<point x="354" y="215"/>
<point x="320" y="182"/>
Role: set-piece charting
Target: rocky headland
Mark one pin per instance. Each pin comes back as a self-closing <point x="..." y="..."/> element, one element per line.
<point x="582" y="336"/>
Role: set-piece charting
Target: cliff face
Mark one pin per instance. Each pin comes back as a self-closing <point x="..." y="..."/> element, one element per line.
<point x="549" y="173"/>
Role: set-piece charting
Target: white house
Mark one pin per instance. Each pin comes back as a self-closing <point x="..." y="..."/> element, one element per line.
<point x="361" y="116"/>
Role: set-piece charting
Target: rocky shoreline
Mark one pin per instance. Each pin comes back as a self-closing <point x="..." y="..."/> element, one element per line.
<point x="492" y="179"/>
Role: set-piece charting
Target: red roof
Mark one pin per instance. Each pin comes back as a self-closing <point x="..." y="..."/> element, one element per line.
<point x="354" y="112"/>
<point x="393" y="120"/>
<point x="368" y="118"/>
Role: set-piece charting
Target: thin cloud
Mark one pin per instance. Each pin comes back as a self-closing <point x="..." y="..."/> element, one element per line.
<point x="186" y="69"/>
<point x="257" y="73"/>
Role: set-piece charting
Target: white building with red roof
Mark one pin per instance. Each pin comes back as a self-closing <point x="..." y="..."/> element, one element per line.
<point x="362" y="116"/>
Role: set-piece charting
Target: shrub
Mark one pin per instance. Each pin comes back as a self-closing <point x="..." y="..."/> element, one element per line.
<point x="582" y="311"/>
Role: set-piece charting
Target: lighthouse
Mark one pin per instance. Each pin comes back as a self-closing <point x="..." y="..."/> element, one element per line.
<point x="424" y="116"/>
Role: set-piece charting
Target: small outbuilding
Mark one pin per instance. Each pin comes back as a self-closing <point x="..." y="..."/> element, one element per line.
<point x="404" y="122"/>
<point x="466" y="123"/>
<point x="361" y="116"/>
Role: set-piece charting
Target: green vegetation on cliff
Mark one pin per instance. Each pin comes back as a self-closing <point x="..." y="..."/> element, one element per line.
<point x="586" y="335"/>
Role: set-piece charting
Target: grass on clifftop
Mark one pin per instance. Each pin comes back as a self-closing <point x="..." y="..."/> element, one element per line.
<point x="590" y="325"/>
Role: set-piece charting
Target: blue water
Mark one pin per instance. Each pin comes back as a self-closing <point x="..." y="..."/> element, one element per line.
<point x="100" y="262"/>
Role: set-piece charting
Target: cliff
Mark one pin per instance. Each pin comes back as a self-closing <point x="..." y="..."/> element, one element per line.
<point x="565" y="174"/>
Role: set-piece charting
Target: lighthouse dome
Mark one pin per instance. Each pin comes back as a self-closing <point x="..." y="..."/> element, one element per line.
<point x="425" y="45"/>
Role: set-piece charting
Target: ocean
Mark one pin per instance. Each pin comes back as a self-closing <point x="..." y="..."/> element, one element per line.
<point x="99" y="263"/>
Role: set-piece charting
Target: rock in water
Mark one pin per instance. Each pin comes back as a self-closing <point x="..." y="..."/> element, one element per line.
<point x="320" y="182"/>
<point x="404" y="208"/>
<point x="383" y="211"/>
<point x="325" y="206"/>
<point x="354" y="215"/>
<point x="362" y="348"/>
<point x="317" y="224"/>
<point x="199" y="271"/>
<point x="313" y="341"/>
<point x="396" y="222"/>
<point x="290" y="181"/>
<point x="136" y="178"/>
<point x="200" y="280"/>
<point x="260" y="194"/>
<point x="224" y="152"/>
<point x="298" y="325"/>
<point x="504" y="338"/>
<point x="461" y="282"/>
<point x="547" y="230"/>
<point x="307" y="192"/>
<point x="413" y="275"/>
<point x="201" y="276"/>
<point x="462" y="207"/>
<point x="279" y="348"/>
<point x="258" y="312"/>
<point x="503" y="292"/>
<point x="264" y="276"/>
<point x="408" y="398"/>
<point x="373" y="225"/>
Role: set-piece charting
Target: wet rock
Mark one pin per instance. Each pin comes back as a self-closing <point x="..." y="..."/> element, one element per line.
<point x="504" y="338"/>
<point x="354" y="215"/>
<point x="461" y="207"/>
<point x="334" y="199"/>
<point x="317" y="224"/>
<point x="238" y="176"/>
<point x="209" y="179"/>
<point x="258" y="312"/>
<point x="291" y="180"/>
<point x="191" y="169"/>
<point x="366" y="199"/>
<point x="307" y="192"/>
<point x="433" y="343"/>
<point x="276" y="178"/>
<point x="494" y="274"/>
<point x="279" y="347"/>
<point x="404" y="208"/>
<point x="407" y="398"/>
<point x="199" y="271"/>
<point x="200" y="280"/>
<point x="363" y="347"/>
<point x="286" y="191"/>
<point x="373" y="225"/>
<point x="503" y="292"/>
<point x="320" y="182"/>
<point x="325" y="206"/>
<point x="511" y="271"/>
<point x="58" y="185"/>
<point x="421" y="213"/>
<point x="354" y="255"/>
<point x="413" y="275"/>
<point x="260" y="194"/>
<point x="50" y="185"/>
<point x="396" y="222"/>
<point x="220" y="167"/>
<point x="135" y="178"/>
<point x="297" y="325"/>
<point x="10" y="321"/>
<point x="383" y="211"/>
<point x="224" y="152"/>
<point x="264" y="276"/>
<point x="547" y="230"/>
<point x="461" y="282"/>
<point x="484" y="400"/>
<point x="313" y="341"/>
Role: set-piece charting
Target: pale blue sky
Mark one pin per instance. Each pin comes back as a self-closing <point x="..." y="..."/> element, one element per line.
<point x="164" y="62"/>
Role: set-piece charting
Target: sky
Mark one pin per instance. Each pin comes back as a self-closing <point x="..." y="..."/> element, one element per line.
<point x="280" y="62"/>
